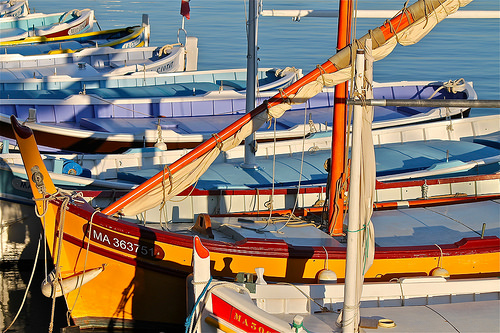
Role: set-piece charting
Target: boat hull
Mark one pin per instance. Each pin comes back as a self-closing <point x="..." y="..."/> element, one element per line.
<point x="145" y="273"/>
<point x="96" y="125"/>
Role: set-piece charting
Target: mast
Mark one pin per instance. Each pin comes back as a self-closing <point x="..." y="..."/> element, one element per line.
<point x="252" y="28"/>
<point x="336" y="195"/>
<point x="351" y="309"/>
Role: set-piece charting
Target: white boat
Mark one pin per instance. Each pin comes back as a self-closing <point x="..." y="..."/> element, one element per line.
<point x="407" y="304"/>
<point x="102" y="178"/>
<point x="93" y="62"/>
<point x="46" y="25"/>
<point x="14" y="8"/>
<point x="100" y="119"/>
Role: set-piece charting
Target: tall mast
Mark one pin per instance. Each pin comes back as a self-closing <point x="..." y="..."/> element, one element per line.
<point x="336" y="194"/>
<point x="252" y="28"/>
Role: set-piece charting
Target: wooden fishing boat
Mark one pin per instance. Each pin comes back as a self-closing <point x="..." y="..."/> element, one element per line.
<point x="14" y="8"/>
<point x="460" y="147"/>
<point x="42" y="26"/>
<point x="104" y="178"/>
<point x="99" y="61"/>
<point x="147" y="256"/>
<point x="407" y="304"/>
<point x="142" y="270"/>
<point x="101" y="122"/>
<point x="132" y="36"/>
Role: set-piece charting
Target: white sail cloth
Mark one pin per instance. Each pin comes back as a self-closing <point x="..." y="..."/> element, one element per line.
<point x="408" y="36"/>
<point x="175" y="183"/>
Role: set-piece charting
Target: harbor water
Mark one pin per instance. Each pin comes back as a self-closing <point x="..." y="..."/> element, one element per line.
<point x="456" y="48"/>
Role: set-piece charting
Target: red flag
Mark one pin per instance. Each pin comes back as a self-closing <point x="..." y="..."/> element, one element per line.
<point x="185" y="8"/>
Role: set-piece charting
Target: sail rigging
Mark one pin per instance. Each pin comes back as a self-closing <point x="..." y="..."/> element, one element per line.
<point x="406" y="28"/>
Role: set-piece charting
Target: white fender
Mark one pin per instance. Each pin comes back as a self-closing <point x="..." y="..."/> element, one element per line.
<point x="51" y="285"/>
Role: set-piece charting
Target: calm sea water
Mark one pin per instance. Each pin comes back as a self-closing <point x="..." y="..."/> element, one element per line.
<point x="456" y="48"/>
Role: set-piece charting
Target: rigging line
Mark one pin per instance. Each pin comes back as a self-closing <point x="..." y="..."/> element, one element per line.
<point x="444" y="318"/>
<point x="301" y="169"/>
<point x="271" y="206"/>
<point x="68" y="313"/>
<point x="62" y="217"/>
<point x="120" y="106"/>
<point x="451" y="218"/>
<point x="323" y="308"/>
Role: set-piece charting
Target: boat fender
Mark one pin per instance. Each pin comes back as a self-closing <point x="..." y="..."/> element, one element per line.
<point x="440" y="271"/>
<point x="51" y="286"/>
<point x="326" y="276"/>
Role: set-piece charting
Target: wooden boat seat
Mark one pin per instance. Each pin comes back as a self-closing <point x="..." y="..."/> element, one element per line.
<point x="240" y="229"/>
<point x="492" y="140"/>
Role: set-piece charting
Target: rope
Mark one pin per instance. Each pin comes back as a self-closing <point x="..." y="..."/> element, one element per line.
<point x="214" y="286"/>
<point x="189" y="319"/>
<point x="27" y="287"/>
<point x="116" y="105"/>
<point x="301" y="169"/>
<point x="298" y="327"/>
<point x="440" y="257"/>
<point x="165" y="48"/>
<point x="323" y="308"/>
<point x="218" y="141"/>
<point x="62" y="218"/>
<point x="453" y="86"/>
<point x="68" y="313"/>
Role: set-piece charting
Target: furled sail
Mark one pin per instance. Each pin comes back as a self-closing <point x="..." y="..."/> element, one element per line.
<point x="408" y="27"/>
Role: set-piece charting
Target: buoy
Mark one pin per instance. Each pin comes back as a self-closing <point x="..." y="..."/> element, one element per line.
<point x="326" y="276"/>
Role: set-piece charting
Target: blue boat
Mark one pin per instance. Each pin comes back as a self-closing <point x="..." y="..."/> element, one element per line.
<point x="104" y="120"/>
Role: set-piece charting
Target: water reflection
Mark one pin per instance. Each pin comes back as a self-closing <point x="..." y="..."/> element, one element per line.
<point x="35" y="315"/>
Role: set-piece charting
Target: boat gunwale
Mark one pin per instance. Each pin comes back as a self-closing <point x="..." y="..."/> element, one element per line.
<point x="274" y="248"/>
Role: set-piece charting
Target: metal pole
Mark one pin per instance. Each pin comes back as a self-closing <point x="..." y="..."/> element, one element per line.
<point x="250" y="143"/>
<point x="435" y="103"/>
<point x="299" y="13"/>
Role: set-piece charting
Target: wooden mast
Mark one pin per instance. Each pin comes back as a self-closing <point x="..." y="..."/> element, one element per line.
<point x="337" y="174"/>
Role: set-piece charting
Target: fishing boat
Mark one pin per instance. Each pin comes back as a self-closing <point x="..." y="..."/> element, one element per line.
<point x="452" y="148"/>
<point x="14" y="8"/>
<point x="99" y="121"/>
<point x="42" y="26"/>
<point x="114" y="273"/>
<point x="407" y="304"/>
<point x="99" y="61"/>
<point x="146" y="255"/>
<point x="103" y="178"/>
<point x="132" y="36"/>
